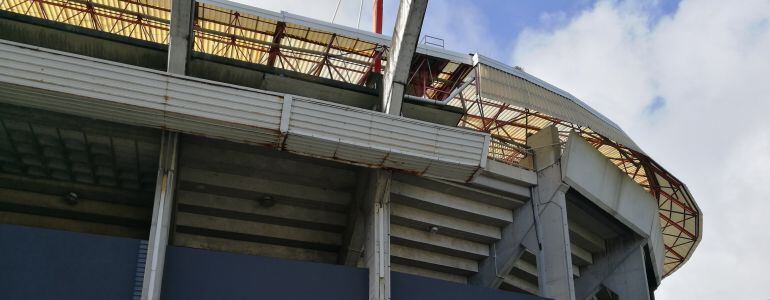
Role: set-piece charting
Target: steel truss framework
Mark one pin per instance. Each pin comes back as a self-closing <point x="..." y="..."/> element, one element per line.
<point x="260" y="40"/>
<point x="510" y="125"/>
<point x="145" y="20"/>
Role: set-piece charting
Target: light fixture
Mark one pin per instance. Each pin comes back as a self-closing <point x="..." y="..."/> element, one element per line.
<point x="71" y="198"/>
<point x="266" y="201"/>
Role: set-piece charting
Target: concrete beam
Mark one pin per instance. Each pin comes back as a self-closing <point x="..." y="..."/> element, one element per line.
<point x="447" y="225"/>
<point x="439" y="243"/>
<point x="521" y="284"/>
<point x="192" y="178"/>
<point x="277" y="234"/>
<point x="429" y="273"/>
<point x="377" y="245"/>
<point x="245" y="208"/>
<point x="211" y="243"/>
<point x="584" y="238"/>
<point x="180" y="35"/>
<point x="580" y="257"/>
<point x="504" y="199"/>
<point x="406" y="35"/>
<point x="433" y="261"/>
<point x="622" y="270"/>
<point x="161" y="216"/>
<point x="465" y="208"/>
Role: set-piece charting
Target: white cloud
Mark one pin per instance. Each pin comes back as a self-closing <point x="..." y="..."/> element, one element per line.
<point x="710" y="63"/>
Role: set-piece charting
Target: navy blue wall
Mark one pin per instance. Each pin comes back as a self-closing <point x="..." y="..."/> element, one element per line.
<point x="200" y="274"/>
<point x="49" y="264"/>
<point x="410" y="287"/>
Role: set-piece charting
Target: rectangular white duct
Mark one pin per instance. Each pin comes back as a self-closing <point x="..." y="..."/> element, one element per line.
<point x="364" y="137"/>
<point x="68" y="83"/>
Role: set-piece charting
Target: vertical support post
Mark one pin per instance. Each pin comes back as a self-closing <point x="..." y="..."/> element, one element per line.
<point x="377" y="28"/>
<point x="180" y="35"/>
<point x="377" y="245"/>
<point x="161" y="216"/>
<point x="554" y="259"/>
<point x="406" y="35"/>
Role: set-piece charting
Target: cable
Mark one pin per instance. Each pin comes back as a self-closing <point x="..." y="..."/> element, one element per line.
<point x="360" y="9"/>
<point x="337" y="8"/>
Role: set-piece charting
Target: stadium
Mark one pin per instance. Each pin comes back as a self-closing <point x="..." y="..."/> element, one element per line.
<point x="169" y="149"/>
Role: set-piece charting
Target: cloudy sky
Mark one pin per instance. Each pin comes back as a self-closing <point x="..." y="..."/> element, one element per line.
<point x="688" y="80"/>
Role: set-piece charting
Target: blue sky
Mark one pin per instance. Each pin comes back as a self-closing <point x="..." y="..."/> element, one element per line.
<point x="502" y="21"/>
<point x="687" y="80"/>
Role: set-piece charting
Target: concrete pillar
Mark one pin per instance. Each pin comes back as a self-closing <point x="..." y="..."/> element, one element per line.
<point x="554" y="260"/>
<point x="621" y="269"/>
<point x="161" y="216"/>
<point x="406" y="35"/>
<point x="377" y="244"/>
<point x="180" y="35"/>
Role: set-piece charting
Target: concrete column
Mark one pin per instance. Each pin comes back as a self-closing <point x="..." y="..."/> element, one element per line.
<point x="554" y="260"/>
<point x="180" y="35"/>
<point x="406" y="35"/>
<point x="161" y="216"/>
<point x="377" y="244"/>
<point x="621" y="269"/>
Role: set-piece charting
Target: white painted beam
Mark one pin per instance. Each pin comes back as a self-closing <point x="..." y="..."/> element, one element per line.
<point x="180" y="35"/>
<point x="406" y="35"/>
<point x="161" y="216"/>
<point x="377" y="246"/>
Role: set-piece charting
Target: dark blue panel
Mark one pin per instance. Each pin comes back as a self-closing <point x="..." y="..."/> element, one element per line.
<point x="411" y="287"/>
<point x="50" y="264"/>
<point x="201" y="274"/>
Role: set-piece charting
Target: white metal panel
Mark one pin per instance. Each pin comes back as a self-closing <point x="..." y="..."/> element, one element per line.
<point x="85" y="86"/>
<point x="68" y="83"/>
<point x="375" y="139"/>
